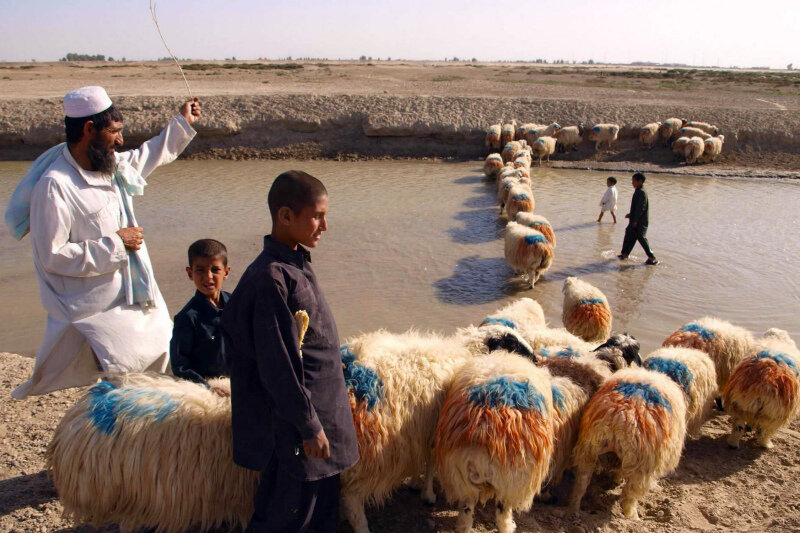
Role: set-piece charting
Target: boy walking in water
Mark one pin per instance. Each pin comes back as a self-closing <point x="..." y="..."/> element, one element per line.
<point x="609" y="201"/>
<point x="291" y="414"/>
<point x="638" y="221"/>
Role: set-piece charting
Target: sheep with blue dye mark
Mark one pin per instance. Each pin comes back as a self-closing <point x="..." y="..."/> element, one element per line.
<point x="543" y="148"/>
<point x="694" y="132"/>
<point x="504" y="186"/>
<point x="493" y="165"/>
<point x="693" y="150"/>
<point x="540" y="130"/>
<point x="619" y="351"/>
<point x="585" y="311"/>
<point x="649" y="134"/>
<point x="397" y="384"/>
<point x="764" y="389"/>
<point x="713" y="147"/>
<point x="524" y="315"/>
<point x="539" y="223"/>
<point x="494" y="437"/>
<point x="726" y="344"/>
<point x="569" y="137"/>
<point x="522" y="129"/>
<point x="703" y="126"/>
<point x="520" y="199"/>
<point x="603" y="133"/>
<point x="694" y="372"/>
<point x="510" y="150"/>
<point x="494" y="334"/>
<point x="640" y="417"/>
<point x="128" y="453"/>
<point x="507" y="133"/>
<point x="527" y="251"/>
<point x="492" y="140"/>
<point x="670" y="129"/>
<point x="679" y="148"/>
<point x="522" y="160"/>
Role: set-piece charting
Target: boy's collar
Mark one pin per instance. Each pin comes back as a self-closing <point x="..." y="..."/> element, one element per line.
<point x="223" y="299"/>
<point x="287" y="254"/>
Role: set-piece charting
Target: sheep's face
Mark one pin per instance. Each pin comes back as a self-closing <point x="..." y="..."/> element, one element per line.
<point x="568" y="284"/>
<point x="618" y="349"/>
<point x="500" y="337"/>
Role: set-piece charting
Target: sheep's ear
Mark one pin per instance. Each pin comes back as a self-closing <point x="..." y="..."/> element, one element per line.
<point x="510" y="343"/>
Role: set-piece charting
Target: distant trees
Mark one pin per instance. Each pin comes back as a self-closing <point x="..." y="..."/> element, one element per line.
<point x="72" y="56"/>
<point x="789" y="66"/>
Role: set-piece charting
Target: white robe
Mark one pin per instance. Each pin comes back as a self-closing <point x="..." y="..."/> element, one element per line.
<point x="77" y="255"/>
<point x="609" y="200"/>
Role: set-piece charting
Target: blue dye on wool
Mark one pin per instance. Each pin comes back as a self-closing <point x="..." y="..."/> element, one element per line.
<point x="530" y="240"/>
<point x="596" y="128"/>
<point x="706" y="334"/>
<point x="520" y="197"/>
<point x="544" y="352"/>
<point x="507" y="392"/>
<point x="501" y="321"/>
<point x="107" y="403"/>
<point x="646" y="392"/>
<point x="675" y="370"/>
<point x="569" y="351"/>
<point x="558" y="398"/>
<point x="585" y="301"/>
<point x="781" y="359"/>
<point x="362" y="380"/>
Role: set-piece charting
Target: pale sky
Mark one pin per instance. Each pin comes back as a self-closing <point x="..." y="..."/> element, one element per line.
<point x="699" y="32"/>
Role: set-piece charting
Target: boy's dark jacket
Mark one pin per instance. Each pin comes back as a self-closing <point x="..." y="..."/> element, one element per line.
<point x="278" y="397"/>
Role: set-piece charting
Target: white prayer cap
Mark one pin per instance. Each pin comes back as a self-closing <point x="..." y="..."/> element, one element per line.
<point x="86" y="101"/>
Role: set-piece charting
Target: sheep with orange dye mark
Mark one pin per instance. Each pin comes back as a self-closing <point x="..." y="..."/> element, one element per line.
<point x="520" y="199"/>
<point x="648" y="134"/>
<point x="543" y="148"/>
<point x="510" y="150"/>
<point x="693" y="150"/>
<point x="603" y="133"/>
<point x="585" y="311"/>
<point x="507" y="133"/>
<point x="504" y="187"/>
<point x="764" y="389"/>
<point x="493" y="165"/>
<point x="492" y="140"/>
<point x="694" y="372"/>
<point x="522" y="159"/>
<point x="527" y="251"/>
<point x="640" y="417"/>
<point x="522" y="129"/>
<point x="494" y="437"/>
<point x="525" y="315"/>
<point x="539" y="223"/>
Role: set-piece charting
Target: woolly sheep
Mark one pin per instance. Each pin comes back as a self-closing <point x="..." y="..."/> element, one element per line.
<point x="640" y="416"/>
<point x="670" y="129"/>
<point x="546" y="338"/>
<point x="494" y="437"/>
<point x="619" y="351"/>
<point x="507" y="133"/>
<point x="520" y="198"/>
<point x="679" y="147"/>
<point x="539" y="223"/>
<point x="493" y="165"/>
<point x="510" y="150"/>
<point x="522" y="129"/>
<point x="580" y="354"/>
<point x="499" y="334"/>
<point x="705" y="126"/>
<point x="544" y="147"/>
<point x="128" y="453"/>
<point x="694" y="372"/>
<point x="585" y="311"/>
<point x="527" y="251"/>
<point x="603" y="133"/>
<point x="539" y="130"/>
<point x="504" y="187"/>
<point x="693" y="150"/>
<point x="725" y="343"/>
<point x="649" y="135"/>
<point x="694" y="132"/>
<point x="525" y="315"/>
<point x="569" y="137"/>
<point x="523" y="159"/>
<point x="493" y="137"/>
<point x="764" y="390"/>
<point x="713" y="147"/>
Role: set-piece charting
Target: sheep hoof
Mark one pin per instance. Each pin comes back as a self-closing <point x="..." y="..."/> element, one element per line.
<point x="766" y="443"/>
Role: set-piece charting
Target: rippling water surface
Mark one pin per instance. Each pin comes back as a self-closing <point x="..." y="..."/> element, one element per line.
<point x="419" y="244"/>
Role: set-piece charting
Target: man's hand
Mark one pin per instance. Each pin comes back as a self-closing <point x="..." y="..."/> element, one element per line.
<point x="191" y="110"/>
<point x="132" y="238"/>
<point x="318" y="446"/>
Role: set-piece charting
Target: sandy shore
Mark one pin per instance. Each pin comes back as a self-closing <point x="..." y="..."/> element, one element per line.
<point x="357" y="110"/>
<point x="713" y="489"/>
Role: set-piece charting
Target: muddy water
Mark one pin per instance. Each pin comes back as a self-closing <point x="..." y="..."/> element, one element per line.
<point x="419" y="244"/>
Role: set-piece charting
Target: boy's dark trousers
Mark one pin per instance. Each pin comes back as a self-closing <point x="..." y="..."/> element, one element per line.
<point x="631" y="236"/>
<point x="284" y="504"/>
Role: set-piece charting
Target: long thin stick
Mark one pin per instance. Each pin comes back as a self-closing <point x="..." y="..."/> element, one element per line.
<point x="155" y="20"/>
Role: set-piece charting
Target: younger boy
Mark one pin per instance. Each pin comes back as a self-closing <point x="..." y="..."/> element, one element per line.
<point x="197" y="349"/>
<point x="291" y="414"/>
<point x="609" y="201"/>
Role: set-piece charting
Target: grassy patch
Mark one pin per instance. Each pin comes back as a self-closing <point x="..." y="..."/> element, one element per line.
<point x="21" y="67"/>
<point x="243" y="66"/>
<point x="447" y="78"/>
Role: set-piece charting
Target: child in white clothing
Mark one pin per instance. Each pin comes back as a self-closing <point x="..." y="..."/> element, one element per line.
<point x="609" y="201"/>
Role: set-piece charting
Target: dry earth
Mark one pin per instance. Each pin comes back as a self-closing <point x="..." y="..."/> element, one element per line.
<point x="713" y="489"/>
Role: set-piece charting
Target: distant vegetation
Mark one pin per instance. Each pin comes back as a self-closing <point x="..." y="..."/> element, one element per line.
<point x="243" y="66"/>
<point x="72" y="56"/>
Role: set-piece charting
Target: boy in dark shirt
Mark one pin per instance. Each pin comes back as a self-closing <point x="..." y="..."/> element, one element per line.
<point x="291" y="414"/>
<point x="197" y="347"/>
<point x="639" y="219"/>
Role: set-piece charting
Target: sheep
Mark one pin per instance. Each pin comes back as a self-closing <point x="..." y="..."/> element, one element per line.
<point x="569" y="137"/>
<point x="494" y="334"/>
<point x="527" y="251"/>
<point x="649" y="134"/>
<point x="524" y="315"/>
<point x="522" y="159"/>
<point x="504" y="186"/>
<point x="694" y="132"/>
<point x="639" y="416"/>
<point x="603" y="133"/>
<point x="507" y="133"/>
<point x="705" y="126"/>
<point x="494" y="437"/>
<point x="569" y="400"/>
<point x="397" y="385"/>
<point x="493" y="137"/>
<point x="725" y="343"/>
<point x="520" y="198"/>
<point x="544" y="147"/>
<point x="128" y="453"/>
<point x="510" y="150"/>
<point x="585" y="311"/>
<point x="764" y="390"/>
<point x="539" y="223"/>
<point x="679" y="146"/>
<point x="493" y="165"/>
<point x="694" y="371"/>
<point x="670" y="129"/>
<point x="539" y="130"/>
<point x="693" y="150"/>
<point x="713" y="147"/>
<point x="580" y="354"/>
<point x="522" y="129"/>
<point x="619" y="351"/>
<point x="545" y="338"/>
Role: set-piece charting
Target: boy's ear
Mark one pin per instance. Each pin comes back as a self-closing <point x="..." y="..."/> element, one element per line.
<point x="227" y="271"/>
<point x="285" y="215"/>
<point x="189" y="272"/>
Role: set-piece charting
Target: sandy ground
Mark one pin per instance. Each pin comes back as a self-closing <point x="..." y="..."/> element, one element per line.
<point x="354" y="110"/>
<point x="713" y="489"/>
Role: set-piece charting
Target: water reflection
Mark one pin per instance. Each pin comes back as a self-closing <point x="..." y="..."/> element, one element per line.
<point x="476" y="280"/>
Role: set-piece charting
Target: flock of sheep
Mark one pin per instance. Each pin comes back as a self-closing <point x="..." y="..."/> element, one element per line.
<point x="693" y="141"/>
<point x="494" y="412"/>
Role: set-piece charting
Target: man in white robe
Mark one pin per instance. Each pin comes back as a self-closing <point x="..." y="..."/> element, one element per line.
<point x="84" y="236"/>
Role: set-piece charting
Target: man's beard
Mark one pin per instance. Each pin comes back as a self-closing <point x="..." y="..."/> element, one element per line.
<point x="102" y="159"/>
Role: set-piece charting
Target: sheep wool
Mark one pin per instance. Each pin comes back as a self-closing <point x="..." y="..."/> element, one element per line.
<point x="494" y="437"/>
<point x="507" y="133"/>
<point x="585" y="311"/>
<point x="669" y="130"/>
<point x="694" y="132"/>
<point x="640" y="416"/>
<point x="603" y="133"/>
<point x="725" y="343"/>
<point x="544" y="147"/>
<point x="713" y="147"/>
<point x="694" y="372"/>
<point x="540" y="130"/>
<point x="693" y="150"/>
<point x="524" y="315"/>
<point x="520" y="198"/>
<point x="569" y="399"/>
<point x="493" y="165"/>
<point x="510" y="150"/>
<point x="504" y="187"/>
<point x="539" y="223"/>
<point x="649" y="134"/>
<point x="704" y="126"/>
<point x="569" y="137"/>
<point x="493" y="137"/>
<point x="679" y="146"/>
<point x="527" y="251"/>
<point x="128" y="453"/>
